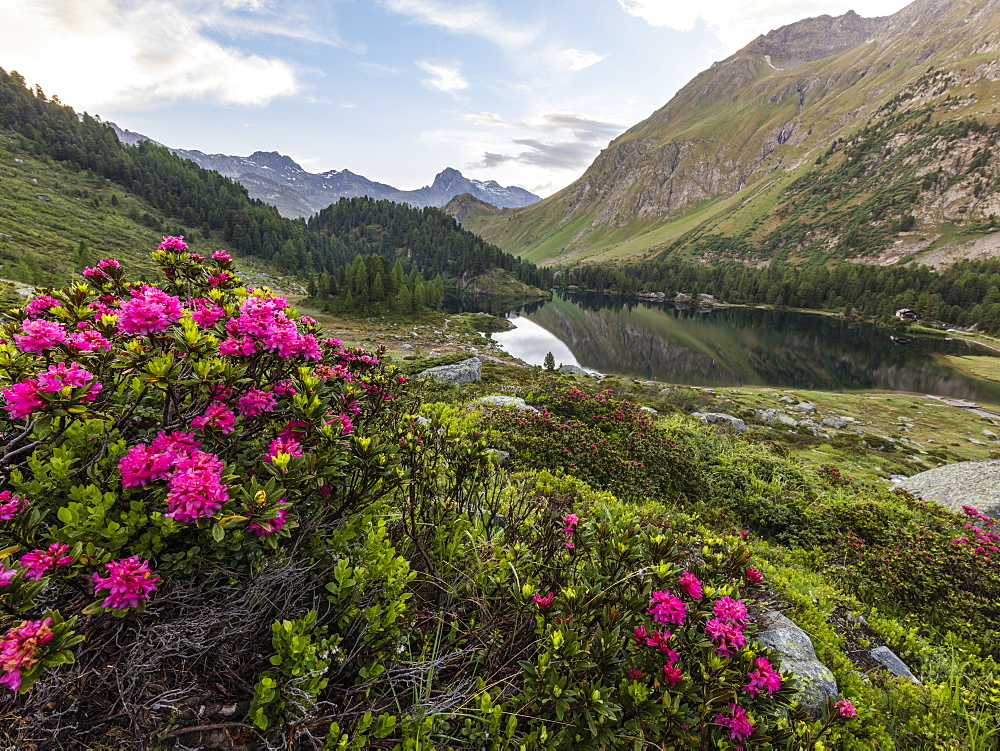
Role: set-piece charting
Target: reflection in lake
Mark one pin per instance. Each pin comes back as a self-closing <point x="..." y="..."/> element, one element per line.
<point x="736" y="346"/>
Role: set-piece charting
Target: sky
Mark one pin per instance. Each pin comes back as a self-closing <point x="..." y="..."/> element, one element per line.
<point x="524" y="92"/>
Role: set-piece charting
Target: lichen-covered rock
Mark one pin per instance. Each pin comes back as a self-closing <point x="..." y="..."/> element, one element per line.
<point x="974" y="484"/>
<point x="501" y="401"/>
<point x="717" y="417"/>
<point x="891" y="662"/>
<point x="795" y="654"/>
<point x="572" y="370"/>
<point x="804" y="407"/>
<point x="837" y="423"/>
<point x="466" y="371"/>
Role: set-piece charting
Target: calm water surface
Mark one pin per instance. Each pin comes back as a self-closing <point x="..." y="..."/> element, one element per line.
<point x="736" y="346"/>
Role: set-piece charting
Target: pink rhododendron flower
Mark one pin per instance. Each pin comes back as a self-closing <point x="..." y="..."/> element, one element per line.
<point x="570" y="520"/>
<point x="100" y="272"/>
<point x="40" y="304"/>
<point x="729" y="609"/>
<point x="691" y="584"/>
<point x="39" y="335"/>
<point x="666" y="608"/>
<point x="274" y="524"/>
<point x="346" y="424"/>
<point x="10" y="505"/>
<point x="150" y="311"/>
<point x="764" y="678"/>
<point x="6" y="574"/>
<point x="237" y="346"/>
<point x="218" y="278"/>
<point x="283" y="446"/>
<point x="671" y="675"/>
<point x="22" y="398"/>
<point x="217" y="417"/>
<point x="142" y="464"/>
<point x="846" y="709"/>
<point x="285" y="388"/>
<point x="657" y="639"/>
<point x="543" y="601"/>
<point x="754" y="576"/>
<point x="205" y="313"/>
<point x="195" y="488"/>
<point x="635" y="674"/>
<point x="88" y="341"/>
<point x="726" y="634"/>
<point x="175" y="442"/>
<point x="170" y="242"/>
<point x="738" y="723"/>
<point x="256" y="402"/>
<point x="129" y="582"/>
<point x="221" y="255"/>
<point x="19" y="647"/>
<point x="38" y="562"/>
<point x="58" y="377"/>
<point x="294" y="429"/>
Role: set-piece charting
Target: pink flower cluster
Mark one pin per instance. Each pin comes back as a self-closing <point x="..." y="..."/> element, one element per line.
<point x="667" y="608"/>
<point x="726" y="629"/>
<point x="194" y="477"/>
<point x="39" y="305"/>
<point x="262" y="323"/>
<point x="764" y="679"/>
<point x="23" y="398"/>
<point x="39" y="335"/>
<point x="256" y="402"/>
<point x="846" y="709"/>
<point x="205" y="313"/>
<point x="38" y="562"/>
<point x="657" y="639"/>
<point x="570" y="520"/>
<point x="217" y="417"/>
<point x="19" y="647"/>
<point x="175" y="244"/>
<point x="101" y="270"/>
<point x="754" y="576"/>
<point x="6" y="574"/>
<point x="984" y="541"/>
<point x="738" y="723"/>
<point x="129" y="582"/>
<point x="691" y="585"/>
<point x="10" y="505"/>
<point x="543" y="601"/>
<point x="282" y="446"/>
<point x="150" y="311"/>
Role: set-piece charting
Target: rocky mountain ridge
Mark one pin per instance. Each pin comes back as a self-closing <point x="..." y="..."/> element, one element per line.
<point x="278" y="180"/>
<point x="826" y="100"/>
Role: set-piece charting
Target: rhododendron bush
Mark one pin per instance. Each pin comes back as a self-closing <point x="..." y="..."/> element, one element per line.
<point x="164" y="440"/>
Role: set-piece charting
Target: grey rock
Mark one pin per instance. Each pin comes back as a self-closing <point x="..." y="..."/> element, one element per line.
<point x="786" y="400"/>
<point x="421" y="420"/>
<point x="666" y="391"/>
<point x="795" y="654"/>
<point x="837" y="423"/>
<point x="891" y="662"/>
<point x="904" y="419"/>
<point x="988" y="433"/>
<point x="978" y="442"/>
<point x="44" y="198"/>
<point x="501" y="457"/>
<point x="804" y="407"/>
<point x="961" y="484"/>
<point x="572" y="370"/>
<point x="466" y="371"/>
<point x="501" y="401"/>
<point x="717" y="417"/>
<point x="787" y="421"/>
<point x="5" y="236"/>
<point x="650" y="410"/>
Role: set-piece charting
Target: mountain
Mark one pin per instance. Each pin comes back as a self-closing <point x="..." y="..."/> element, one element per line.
<point x="832" y="138"/>
<point x="276" y="179"/>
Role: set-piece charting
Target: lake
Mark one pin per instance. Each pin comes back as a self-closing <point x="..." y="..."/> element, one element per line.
<point x="736" y="347"/>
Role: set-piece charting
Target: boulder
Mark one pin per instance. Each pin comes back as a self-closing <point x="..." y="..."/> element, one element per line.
<point x="891" y="662"/>
<point x="804" y="407"/>
<point x="650" y="410"/>
<point x="721" y="417"/>
<point x="501" y="401"/>
<point x="795" y="654"/>
<point x="466" y="371"/>
<point x="572" y="370"/>
<point x="500" y="457"/>
<point x="787" y="421"/>
<point x="786" y="400"/>
<point x="837" y="423"/>
<point x="974" y="484"/>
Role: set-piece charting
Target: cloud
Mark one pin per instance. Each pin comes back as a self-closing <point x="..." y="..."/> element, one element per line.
<point x="580" y="59"/>
<point x="377" y="70"/>
<point x="739" y="22"/>
<point x="567" y="141"/>
<point x="446" y="78"/>
<point x="476" y="18"/>
<point x="485" y="118"/>
<point x="108" y="53"/>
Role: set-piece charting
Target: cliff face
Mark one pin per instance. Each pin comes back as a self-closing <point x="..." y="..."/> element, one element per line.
<point x="722" y="157"/>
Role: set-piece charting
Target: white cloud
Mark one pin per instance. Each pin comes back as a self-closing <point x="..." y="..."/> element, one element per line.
<point x="103" y="53"/>
<point x="485" y="118"/>
<point x="580" y="59"/>
<point x="476" y="18"/>
<point x="446" y="78"/>
<point x="739" y="22"/>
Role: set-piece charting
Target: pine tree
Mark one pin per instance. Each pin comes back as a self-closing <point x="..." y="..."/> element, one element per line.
<point x="549" y="362"/>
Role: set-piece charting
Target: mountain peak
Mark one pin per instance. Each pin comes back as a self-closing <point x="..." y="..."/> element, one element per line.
<point x="274" y="160"/>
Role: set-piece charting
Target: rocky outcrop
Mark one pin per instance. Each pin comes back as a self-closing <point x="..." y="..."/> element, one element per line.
<point x="794" y="651"/>
<point x="466" y="371"/>
<point x="501" y="401"/>
<point x="975" y="484"/>
<point x="721" y="417"/>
